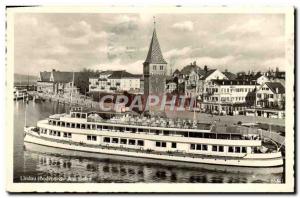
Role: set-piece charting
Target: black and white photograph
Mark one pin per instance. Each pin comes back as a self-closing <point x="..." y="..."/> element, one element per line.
<point x="150" y="99"/>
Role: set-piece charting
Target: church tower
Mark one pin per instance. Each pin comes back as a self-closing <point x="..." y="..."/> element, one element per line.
<point x="155" y="69"/>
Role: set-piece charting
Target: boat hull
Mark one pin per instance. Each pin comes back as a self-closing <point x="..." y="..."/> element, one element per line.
<point x="242" y="162"/>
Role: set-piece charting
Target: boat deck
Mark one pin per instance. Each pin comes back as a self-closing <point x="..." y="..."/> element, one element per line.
<point x="174" y="153"/>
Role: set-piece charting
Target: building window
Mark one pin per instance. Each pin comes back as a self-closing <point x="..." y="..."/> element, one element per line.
<point x="161" y="67"/>
<point x="230" y="149"/>
<point x="140" y="142"/>
<point x="58" y="134"/>
<point x="163" y="144"/>
<point x="154" y="67"/>
<point x="89" y="137"/>
<point x="69" y="135"/>
<point x="204" y="147"/>
<point x="198" y="147"/>
<point x="174" y="145"/>
<point x="65" y="135"/>
<point x="237" y="149"/>
<point x="157" y="144"/>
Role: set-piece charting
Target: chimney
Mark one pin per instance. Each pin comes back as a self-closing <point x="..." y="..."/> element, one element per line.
<point x="205" y="68"/>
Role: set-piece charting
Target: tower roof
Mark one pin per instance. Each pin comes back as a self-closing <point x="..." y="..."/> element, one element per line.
<point x="154" y="54"/>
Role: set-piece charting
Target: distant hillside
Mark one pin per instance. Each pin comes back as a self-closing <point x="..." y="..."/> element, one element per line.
<point x="23" y="79"/>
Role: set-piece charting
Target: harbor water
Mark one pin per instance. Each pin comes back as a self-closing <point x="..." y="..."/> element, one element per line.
<point x="36" y="163"/>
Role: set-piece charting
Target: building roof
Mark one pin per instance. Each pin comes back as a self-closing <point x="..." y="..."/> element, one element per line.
<point x="276" y="87"/>
<point x="208" y="73"/>
<point x="45" y="76"/>
<point x="154" y="54"/>
<point x="63" y="77"/>
<point x="106" y="72"/>
<point x="186" y="70"/>
<point x="122" y="74"/>
<point x="229" y="75"/>
<point x="234" y="82"/>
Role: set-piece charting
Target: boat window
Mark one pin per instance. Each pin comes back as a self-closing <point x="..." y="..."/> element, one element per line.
<point x="78" y="126"/>
<point x="72" y="115"/>
<point x="230" y="149"/>
<point x="214" y="148"/>
<point x="83" y="115"/>
<point x="54" y="133"/>
<point x="198" y="147"/>
<point x="50" y="121"/>
<point x="204" y="147"/>
<point x="67" y="124"/>
<point x="94" y="138"/>
<point x="58" y="123"/>
<point x="123" y="141"/>
<point x="244" y="150"/>
<point x="73" y="125"/>
<point x="58" y="134"/>
<point x="131" y="142"/>
<point x="88" y="137"/>
<point x="83" y="126"/>
<point x="99" y="127"/>
<point x="193" y="146"/>
<point x="115" y="140"/>
<point x="88" y="126"/>
<point x="174" y="145"/>
<point x="166" y="133"/>
<point x="157" y="144"/>
<point x="105" y="127"/>
<point x="69" y="135"/>
<point x="106" y="139"/>
<point x="65" y="135"/>
<point x="54" y="122"/>
<point x="140" y="142"/>
<point x="237" y="149"/>
<point x="93" y="127"/>
<point x="221" y="148"/>
<point x="77" y="115"/>
<point x="50" y="132"/>
<point x="163" y="144"/>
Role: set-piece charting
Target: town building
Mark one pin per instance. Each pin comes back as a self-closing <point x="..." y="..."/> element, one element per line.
<point x="154" y="69"/>
<point x="115" y="81"/>
<point x="57" y="82"/>
<point x="231" y="97"/>
<point x="270" y="101"/>
<point x="271" y="95"/>
<point x="171" y="86"/>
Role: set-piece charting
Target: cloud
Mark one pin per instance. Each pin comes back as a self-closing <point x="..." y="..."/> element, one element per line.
<point x="121" y="41"/>
<point x="184" y="26"/>
<point x="177" y="53"/>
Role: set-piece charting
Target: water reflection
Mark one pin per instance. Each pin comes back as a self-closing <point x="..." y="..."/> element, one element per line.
<point x="48" y="163"/>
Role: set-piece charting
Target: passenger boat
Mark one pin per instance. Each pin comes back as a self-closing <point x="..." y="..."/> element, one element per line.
<point x="152" y="137"/>
<point x="20" y="94"/>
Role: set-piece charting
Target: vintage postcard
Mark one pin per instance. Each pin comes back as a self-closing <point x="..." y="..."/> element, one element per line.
<point x="150" y="99"/>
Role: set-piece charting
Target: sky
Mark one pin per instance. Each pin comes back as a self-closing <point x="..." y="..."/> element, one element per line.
<point x="71" y="42"/>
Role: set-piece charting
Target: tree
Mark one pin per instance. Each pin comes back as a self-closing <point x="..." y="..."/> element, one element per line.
<point x="82" y="79"/>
